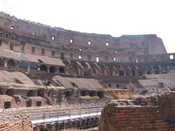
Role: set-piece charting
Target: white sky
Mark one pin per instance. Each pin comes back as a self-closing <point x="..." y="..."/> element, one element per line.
<point x="115" y="17"/>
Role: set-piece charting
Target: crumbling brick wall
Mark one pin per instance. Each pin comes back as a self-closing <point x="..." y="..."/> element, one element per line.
<point x="15" y="123"/>
<point x="167" y="106"/>
<point x="128" y="116"/>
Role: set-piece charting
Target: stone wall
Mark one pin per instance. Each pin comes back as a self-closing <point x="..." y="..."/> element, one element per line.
<point x="25" y="35"/>
<point x="128" y="115"/>
<point x="15" y="123"/>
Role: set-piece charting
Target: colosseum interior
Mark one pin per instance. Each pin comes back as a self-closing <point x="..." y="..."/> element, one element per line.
<point x="53" y="79"/>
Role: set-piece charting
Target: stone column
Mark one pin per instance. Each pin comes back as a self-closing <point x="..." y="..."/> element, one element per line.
<point x="28" y="68"/>
<point x="5" y="63"/>
<point x="48" y="69"/>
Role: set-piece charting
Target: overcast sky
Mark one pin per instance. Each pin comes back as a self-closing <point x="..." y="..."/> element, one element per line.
<point x="115" y="17"/>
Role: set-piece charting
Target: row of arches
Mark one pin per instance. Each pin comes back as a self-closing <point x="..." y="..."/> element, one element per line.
<point x="89" y="69"/>
<point x="12" y="64"/>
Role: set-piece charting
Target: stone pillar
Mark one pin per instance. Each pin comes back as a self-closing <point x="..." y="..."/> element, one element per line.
<point x="5" y="63"/>
<point x="28" y="68"/>
<point x="48" y="69"/>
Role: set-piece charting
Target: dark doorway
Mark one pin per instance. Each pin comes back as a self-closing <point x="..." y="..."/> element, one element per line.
<point x="38" y="103"/>
<point x="7" y="105"/>
<point x="43" y="68"/>
<point x="121" y="73"/>
<point x="52" y="69"/>
<point x="29" y="103"/>
<point x="61" y="70"/>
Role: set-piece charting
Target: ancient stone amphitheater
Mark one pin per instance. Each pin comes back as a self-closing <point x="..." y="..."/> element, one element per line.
<point x="54" y="79"/>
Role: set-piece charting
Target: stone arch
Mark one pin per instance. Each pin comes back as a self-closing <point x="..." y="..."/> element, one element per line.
<point x="68" y="93"/>
<point x="43" y="68"/>
<point x="100" y="94"/>
<point x="34" y="66"/>
<point x="133" y="72"/>
<point x="12" y="46"/>
<point x="156" y="69"/>
<point x="121" y="73"/>
<point x="62" y="55"/>
<point x="84" y="93"/>
<point x="23" y="64"/>
<point x="40" y="92"/>
<point x="11" y="63"/>
<point x="92" y="93"/>
<point x="61" y="70"/>
<point x="10" y="92"/>
<point x="53" y="69"/>
<point x="31" y="93"/>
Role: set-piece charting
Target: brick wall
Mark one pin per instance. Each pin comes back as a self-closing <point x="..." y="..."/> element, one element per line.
<point x="15" y="123"/>
<point x="125" y="116"/>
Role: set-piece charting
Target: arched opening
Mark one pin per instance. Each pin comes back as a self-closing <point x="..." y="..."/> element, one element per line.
<point x="52" y="69"/>
<point x="92" y="93"/>
<point x="71" y="41"/>
<point x="10" y="92"/>
<point x="62" y="55"/>
<point x="34" y="66"/>
<point x="40" y="93"/>
<point x="148" y="72"/>
<point x="79" y="57"/>
<point x="7" y="105"/>
<point x="1" y="62"/>
<point x="114" y="58"/>
<point x="23" y="65"/>
<point x="11" y="63"/>
<point x="38" y="103"/>
<point x="44" y="68"/>
<point x="117" y="85"/>
<point x="1" y="92"/>
<point x="89" y="43"/>
<point x="84" y="93"/>
<point x="97" y="59"/>
<point x="133" y="73"/>
<point x="31" y="93"/>
<point x="171" y="57"/>
<point x="107" y="44"/>
<point x="17" y="99"/>
<point x="29" y="103"/>
<point x="140" y="73"/>
<point x="156" y="70"/>
<point x="42" y="51"/>
<point x="100" y="94"/>
<point x="68" y="93"/>
<point x="52" y="37"/>
<point x="121" y="73"/>
<point x="61" y="70"/>
<point x="11" y="46"/>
